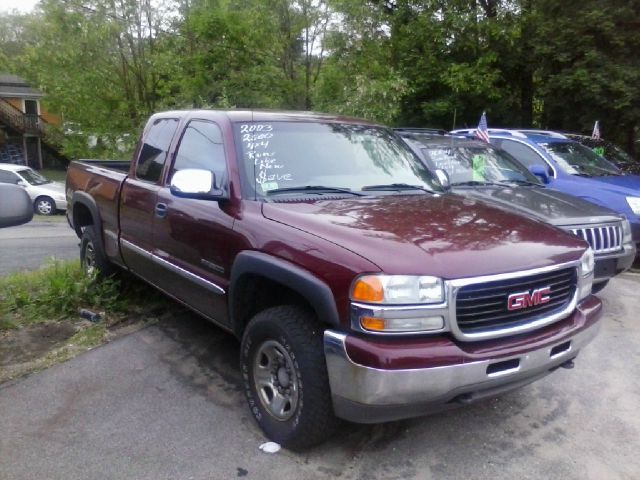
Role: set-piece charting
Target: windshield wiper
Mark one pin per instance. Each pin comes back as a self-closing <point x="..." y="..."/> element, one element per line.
<point x="314" y="189"/>
<point x="478" y="183"/>
<point x="396" y="186"/>
<point x="584" y="171"/>
<point x="522" y="182"/>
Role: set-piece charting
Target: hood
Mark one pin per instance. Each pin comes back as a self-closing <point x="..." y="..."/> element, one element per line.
<point x="446" y="236"/>
<point x="543" y="204"/>
<point x="52" y="188"/>
<point x="630" y="182"/>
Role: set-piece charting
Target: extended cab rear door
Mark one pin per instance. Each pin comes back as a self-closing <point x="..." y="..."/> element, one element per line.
<point x="192" y="239"/>
<point x="138" y="199"/>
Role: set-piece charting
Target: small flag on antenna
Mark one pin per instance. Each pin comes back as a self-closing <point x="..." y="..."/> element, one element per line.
<point x="596" y="131"/>
<point x="482" y="132"/>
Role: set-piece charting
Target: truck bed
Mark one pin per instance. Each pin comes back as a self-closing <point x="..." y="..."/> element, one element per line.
<point x="101" y="180"/>
<point x="121" y="165"/>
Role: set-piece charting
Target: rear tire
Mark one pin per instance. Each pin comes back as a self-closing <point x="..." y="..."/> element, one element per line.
<point x="44" y="206"/>
<point x="92" y="258"/>
<point x="285" y="377"/>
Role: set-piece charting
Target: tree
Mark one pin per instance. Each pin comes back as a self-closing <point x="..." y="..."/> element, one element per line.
<point x="359" y="77"/>
<point x="589" y="66"/>
<point x="101" y="66"/>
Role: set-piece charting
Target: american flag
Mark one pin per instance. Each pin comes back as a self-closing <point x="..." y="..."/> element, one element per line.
<point x="482" y="132"/>
<point x="596" y="131"/>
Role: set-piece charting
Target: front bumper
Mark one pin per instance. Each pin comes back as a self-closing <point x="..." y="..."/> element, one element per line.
<point x="60" y="204"/>
<point x="376" y="381"/>
<point x="635" y="232"/>
<point x="608" y="266"/>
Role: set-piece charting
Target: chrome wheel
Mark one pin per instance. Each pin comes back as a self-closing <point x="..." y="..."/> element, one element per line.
<point x="275" y="380"/>
<point x="45" y="206"/>
<point x="89" y="259"/>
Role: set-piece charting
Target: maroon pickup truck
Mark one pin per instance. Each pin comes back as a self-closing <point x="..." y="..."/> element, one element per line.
<point x="358" y="287"/>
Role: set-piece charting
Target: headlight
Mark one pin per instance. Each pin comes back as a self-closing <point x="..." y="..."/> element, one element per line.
<point x="634" y="204"/>
<point x="397" y="289"/>
<point x="398" y="304"/>
<point x="585" y="280"/>
<point x="626" y="232"/>
<point x="587" y="262"/>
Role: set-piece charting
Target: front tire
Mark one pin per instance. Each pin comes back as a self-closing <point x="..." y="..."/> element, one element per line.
<point x="92" y="259"/>
<point x="44" y="206"/>
<point x="285" y="377"/>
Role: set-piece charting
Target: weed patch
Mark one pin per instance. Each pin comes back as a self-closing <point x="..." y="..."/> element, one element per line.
<point x="59" y="290"/>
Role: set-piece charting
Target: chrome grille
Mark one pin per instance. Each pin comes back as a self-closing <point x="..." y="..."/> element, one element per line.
<point x="482" y="307"/>
<point x="603" y="238"/>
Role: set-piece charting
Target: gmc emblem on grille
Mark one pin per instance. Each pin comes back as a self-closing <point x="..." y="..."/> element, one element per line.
<point x="537" y="296"/>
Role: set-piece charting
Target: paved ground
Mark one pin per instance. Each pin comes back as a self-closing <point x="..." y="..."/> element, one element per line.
<point x="165" y="403"/>
<point x="29" y="246"/>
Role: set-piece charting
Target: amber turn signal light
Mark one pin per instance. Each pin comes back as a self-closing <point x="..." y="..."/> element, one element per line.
<point x="372" y="323"/>
<point x="368" y="289"/>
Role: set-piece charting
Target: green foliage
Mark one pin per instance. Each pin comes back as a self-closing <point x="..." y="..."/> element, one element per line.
<point x="590" y="68"/>
<point x="60" y="290"/>
<point x="106" y="65"/>
<point x="228" y="58"/>
<point x="101" y="65"/>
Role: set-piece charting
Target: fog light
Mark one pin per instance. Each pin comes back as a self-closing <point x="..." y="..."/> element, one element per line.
<point x="402" y="324"/>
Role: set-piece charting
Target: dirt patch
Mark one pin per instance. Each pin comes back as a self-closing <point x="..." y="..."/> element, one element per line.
<point x="35" y="347"/>
<point x="28" y="343"/>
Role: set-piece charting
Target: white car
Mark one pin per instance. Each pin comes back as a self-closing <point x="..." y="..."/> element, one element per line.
<point x="48" y="197"/>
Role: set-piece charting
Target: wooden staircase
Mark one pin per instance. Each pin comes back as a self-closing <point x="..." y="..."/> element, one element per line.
<point x="23" y="123"/>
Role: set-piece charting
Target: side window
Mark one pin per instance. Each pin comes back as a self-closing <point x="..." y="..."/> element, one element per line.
<point x="201" y="147"/>
<point x="8" y="177"/>
<point x="154" y="150"/>
<point x="523" y="153"/>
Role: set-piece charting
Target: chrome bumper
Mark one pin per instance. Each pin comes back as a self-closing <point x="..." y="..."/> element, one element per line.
<point x="608" y="266"/>
<point x="369" y="395"/>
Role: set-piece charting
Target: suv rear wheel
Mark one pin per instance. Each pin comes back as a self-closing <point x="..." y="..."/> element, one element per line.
<point x="285" y="376"/>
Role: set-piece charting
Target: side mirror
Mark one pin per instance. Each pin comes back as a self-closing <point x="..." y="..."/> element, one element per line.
<point x="15" y="206"/>
<point x="21" y="183"/>
<point x="540" y="172"/>
<point x="443" y="178"/>
<point x="196" y="183"/>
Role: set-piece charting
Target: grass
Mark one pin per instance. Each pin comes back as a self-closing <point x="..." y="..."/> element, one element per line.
<point x="55" y="175"/>
<point x="59" y="290"/>
<point x="60" y="217"/>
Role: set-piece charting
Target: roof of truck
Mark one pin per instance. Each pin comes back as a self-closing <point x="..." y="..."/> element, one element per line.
<point x="240" y="115"/>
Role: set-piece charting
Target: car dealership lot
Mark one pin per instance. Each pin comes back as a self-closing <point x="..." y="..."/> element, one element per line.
<point x="166" y="402"/>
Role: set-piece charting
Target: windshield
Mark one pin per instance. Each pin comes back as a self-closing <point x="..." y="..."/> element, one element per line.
<point x="287" y="156"/>
<point x="33" y="177"/>
<point x="615" y="154"/>
<point x="466" y="164"/>
<point x="576" y="159"/>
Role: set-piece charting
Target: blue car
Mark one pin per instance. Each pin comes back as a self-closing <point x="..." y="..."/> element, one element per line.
<point x="567" y="166"/>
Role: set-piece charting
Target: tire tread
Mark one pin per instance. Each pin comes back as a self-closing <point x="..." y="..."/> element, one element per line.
<point x="305" y="334"/>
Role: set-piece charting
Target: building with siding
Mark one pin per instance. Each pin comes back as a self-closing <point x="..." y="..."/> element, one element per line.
<point x="26" y="134"/>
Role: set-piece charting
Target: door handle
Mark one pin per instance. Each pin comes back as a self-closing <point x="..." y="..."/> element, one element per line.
<point x="161" y="210"/>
